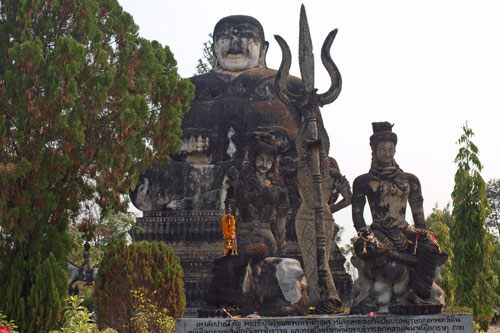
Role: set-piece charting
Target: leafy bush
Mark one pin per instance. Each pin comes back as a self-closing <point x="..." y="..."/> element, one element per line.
<point x="77" y="319"/>
<point x="150" y="267"/>
<point x="9" y="326"/>
<point x="148" y="317"/>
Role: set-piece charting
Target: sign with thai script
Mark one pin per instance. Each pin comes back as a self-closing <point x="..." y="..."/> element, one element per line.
<point x="329" y="324"/>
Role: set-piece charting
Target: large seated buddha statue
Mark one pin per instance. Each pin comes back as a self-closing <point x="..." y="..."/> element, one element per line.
<point x="236" y="98"/>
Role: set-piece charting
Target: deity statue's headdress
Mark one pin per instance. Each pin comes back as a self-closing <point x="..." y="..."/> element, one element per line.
<point x="382" y="132"/>
<point x="262" y="142"/>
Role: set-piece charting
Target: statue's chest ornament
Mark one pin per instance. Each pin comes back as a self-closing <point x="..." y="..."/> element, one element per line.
<point x="386" y="188"/>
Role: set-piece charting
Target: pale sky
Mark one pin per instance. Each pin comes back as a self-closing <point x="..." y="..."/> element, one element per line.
<point x="427" y="66"/>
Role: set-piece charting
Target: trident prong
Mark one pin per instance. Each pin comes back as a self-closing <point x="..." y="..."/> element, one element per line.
<point x="306" y="63"/>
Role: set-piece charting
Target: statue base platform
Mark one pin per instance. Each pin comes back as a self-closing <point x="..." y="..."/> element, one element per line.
<point x="446" y="322"/>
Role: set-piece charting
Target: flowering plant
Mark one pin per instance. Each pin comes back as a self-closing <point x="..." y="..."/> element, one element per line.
<point x="6" y="326"/>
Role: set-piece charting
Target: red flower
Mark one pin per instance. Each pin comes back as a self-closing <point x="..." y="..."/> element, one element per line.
<point x="5" y="329"/>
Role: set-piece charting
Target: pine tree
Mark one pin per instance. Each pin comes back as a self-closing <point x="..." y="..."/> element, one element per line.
<point x="474" y="279"/>
<point x="86" y="106"/>
<point x="207" y="61"/>
<point x="149" y="267"/>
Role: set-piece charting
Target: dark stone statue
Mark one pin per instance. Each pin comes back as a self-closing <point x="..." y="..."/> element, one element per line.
<point x="232" y="101"/>
<point x="183" y="202"/>
<point x="86" y="272"/>
<point x="397" y="262"/>
<point x="255" y="280"/>
<point x="261" y="200"/>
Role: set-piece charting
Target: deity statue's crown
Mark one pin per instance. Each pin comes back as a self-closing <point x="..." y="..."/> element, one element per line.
<point x="262" y="142"/>
<point x="382" y="132"/>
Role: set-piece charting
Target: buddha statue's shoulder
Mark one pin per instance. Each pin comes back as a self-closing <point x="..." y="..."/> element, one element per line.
<point x="267" y="76"/>
<point x="212" y="84"/>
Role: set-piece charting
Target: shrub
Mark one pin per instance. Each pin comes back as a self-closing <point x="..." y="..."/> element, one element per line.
<point x="148" y="317"/>
<point x="77" y="319"/>
<point x="150" y="267"/>
<point x="7" y="326"/>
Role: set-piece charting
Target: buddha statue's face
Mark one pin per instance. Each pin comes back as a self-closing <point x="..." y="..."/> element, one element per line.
<point x="385" y="154"/>
<point x="237" y="46"/>
<point x="263" y="163"/>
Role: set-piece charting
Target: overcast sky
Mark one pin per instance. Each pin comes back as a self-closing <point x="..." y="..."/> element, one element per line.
<point x="427" y="66"/>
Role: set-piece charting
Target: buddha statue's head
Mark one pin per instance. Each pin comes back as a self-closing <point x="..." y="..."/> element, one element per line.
<point x="383" y="143"/>
<point x="239" y="43"/>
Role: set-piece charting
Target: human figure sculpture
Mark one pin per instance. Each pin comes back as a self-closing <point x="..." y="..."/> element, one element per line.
<point x="262" y="202"/>
<point x="237" y="97"/>
<point x="255" y="280"/>
<point x="397" y="262"/>
<point x="85" y="272"/>
<point x="184" y="201"/>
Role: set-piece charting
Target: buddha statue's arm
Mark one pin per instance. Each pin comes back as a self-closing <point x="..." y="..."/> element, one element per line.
<point x="281" y="215"/>
<point x="358" y="202"/>
<point x="416" y="202"/>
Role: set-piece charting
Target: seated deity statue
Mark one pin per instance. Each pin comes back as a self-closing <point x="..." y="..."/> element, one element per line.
<point x="397" y="262"/>
<point x="236" y="98"/>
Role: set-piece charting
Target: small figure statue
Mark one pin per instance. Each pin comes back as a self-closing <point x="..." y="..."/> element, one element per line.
<point x="397" y="262"/>
<point x="261" y="200"/>
<point x="229" y="233"/>
<point x="86" y="272"/>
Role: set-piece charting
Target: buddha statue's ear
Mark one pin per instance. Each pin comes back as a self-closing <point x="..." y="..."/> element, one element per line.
<point x="263" y="53"/>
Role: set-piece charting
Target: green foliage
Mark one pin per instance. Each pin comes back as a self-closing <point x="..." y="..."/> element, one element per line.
<point x="439" y="223"/>
<point x="9" y="324"/>
<point x="150" y="267"/>
<point x="473" y="276"/>
<point x="148" y="317"/>
<point x="77" y="319"/>
<point x="477" y="328"/>
<point x="87" y="105"/>
<point x="207" y="61"/>
<point x="493" y="195"/>
<point x="495" y="260"/>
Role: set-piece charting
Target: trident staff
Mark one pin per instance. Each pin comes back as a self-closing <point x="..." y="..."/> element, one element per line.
<point x="309" y="103"/>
